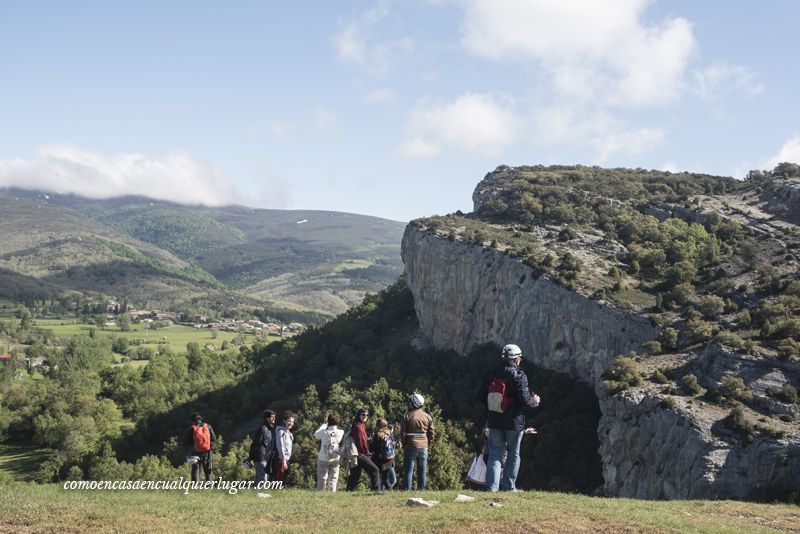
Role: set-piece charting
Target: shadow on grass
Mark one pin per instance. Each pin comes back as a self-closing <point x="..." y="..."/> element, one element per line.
<point x="21" y="461"/>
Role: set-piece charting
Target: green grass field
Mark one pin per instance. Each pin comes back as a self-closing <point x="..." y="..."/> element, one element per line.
<point x="20" y="461"/>
<point x="176" y="336"/>
<point x="50" y="508"/>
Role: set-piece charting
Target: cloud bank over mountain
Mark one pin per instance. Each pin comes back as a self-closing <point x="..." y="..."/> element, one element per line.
<point x="175" y="176"/>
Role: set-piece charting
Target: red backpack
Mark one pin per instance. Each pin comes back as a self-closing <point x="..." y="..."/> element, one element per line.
<point x="498" y="399"/>
<point x="202" y="438"/>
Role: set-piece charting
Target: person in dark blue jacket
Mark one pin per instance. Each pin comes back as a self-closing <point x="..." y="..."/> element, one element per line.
<point x="506" y="393"/>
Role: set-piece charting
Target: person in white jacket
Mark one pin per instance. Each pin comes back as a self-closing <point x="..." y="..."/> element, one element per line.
<point x="284" y="440"/>
<point x="330" y="436"/>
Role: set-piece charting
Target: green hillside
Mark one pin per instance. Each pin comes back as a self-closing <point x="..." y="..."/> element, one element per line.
<point x="303" y="265"/>
<point x="174" y="228"/>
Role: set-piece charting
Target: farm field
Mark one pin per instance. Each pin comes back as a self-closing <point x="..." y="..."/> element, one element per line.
<point x="27" y="507"/>
<point x="176" y="336"/>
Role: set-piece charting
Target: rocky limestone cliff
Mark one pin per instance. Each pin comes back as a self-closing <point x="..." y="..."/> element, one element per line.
<point x="466" y="295"/>
<point x="650" y="452"/>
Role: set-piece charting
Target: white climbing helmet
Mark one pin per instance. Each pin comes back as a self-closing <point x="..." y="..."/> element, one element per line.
<point x="417" y="400"/>
<point x="511" y="352"/>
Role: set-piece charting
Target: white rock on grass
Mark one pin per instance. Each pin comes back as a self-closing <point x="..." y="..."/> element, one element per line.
<point x="264" y="495"/>
<point x="416" y="501"/>
<point x="464" y="498"/>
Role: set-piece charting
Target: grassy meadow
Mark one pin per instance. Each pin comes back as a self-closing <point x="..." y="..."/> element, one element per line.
<point x="50" y="508"/>
<point x="176" y="336"/>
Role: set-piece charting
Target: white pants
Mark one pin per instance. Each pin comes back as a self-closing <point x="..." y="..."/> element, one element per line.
<point x="327" y="475"/>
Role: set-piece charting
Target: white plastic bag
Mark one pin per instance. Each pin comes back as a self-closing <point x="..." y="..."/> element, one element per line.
<point x="477" y="471"/>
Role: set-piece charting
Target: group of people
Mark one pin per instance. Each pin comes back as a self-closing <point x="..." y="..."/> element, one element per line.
<point x="504" y="390"/>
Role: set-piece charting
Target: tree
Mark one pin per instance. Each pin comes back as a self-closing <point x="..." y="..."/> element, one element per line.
<point x="125" y="322"/>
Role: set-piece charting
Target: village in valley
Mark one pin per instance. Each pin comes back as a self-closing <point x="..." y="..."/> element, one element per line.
<point x="168" y="318"/>
<point x="137" y="333"/>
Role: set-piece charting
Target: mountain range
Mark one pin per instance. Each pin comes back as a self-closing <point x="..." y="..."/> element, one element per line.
<point x="300" y="264"/>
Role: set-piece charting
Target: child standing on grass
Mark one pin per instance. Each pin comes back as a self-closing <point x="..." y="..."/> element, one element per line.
<point x="383" y="452"/>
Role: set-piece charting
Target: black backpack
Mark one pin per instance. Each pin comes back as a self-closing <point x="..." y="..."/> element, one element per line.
<point x="254" y="444"/>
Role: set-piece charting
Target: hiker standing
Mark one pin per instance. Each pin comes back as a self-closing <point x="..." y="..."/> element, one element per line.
<point x="358" y="432"/>
<point x="383" y="452"/>
<point x="416" y="434"/>
<point x="264" y="446"/>
<point x="507" y="395"/>
<point x="391" y="476"/>
<point x="283" y="445"/>
<point x="202" y="439"/>
<point x="330" y="437"/>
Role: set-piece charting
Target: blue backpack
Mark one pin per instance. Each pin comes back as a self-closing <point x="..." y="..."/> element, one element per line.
<point x="389" y="445"/>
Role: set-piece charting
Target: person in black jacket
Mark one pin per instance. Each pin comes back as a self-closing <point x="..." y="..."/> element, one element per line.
<point x="506" y="417"/>
<point x="202" y="439"/>
<point x="265" y="446"/>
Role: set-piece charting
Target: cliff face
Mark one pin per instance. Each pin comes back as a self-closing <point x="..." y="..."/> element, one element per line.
<point x="650" y="452"/>
<point x="466" y="295"/>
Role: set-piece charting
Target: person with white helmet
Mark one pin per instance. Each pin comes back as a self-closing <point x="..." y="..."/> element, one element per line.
<point x="416" y="434"/>
<point x="507" y="396"/>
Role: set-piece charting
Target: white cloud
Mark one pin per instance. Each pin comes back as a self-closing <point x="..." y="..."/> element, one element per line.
<point x="384" y="94"/>
<point x="355" y="43"/>
<point x="474" y="122"/>
<point x="324" y="119"/>
<point x="65" y="169"/>
<point x="600" y="130"/>
<point x="718" y="78"/>
<point x="279" y="128"/>
<point x="588" y="48"/>
<point x="789" y="152"/>
<point x="418" y="148"/>
<point x="670" y="166"/>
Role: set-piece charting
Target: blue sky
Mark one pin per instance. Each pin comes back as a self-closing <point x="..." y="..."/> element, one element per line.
<point x="388" y="108"/>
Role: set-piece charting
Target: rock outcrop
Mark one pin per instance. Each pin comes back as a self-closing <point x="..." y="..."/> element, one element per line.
<point x="653" y="452"/>
<point x="466" y="295"/>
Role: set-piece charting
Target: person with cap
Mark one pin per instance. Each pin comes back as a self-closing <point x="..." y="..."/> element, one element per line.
<point x="416" y="434"/>
<point x="201" y="438"/>
<point x="507" y="396"/>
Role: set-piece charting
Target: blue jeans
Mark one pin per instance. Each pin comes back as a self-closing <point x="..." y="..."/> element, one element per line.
<point x="391" y="478"/>
<point x="412" y="455"/>
<point x="499" y="441"/>
<point x="261" y="471"/>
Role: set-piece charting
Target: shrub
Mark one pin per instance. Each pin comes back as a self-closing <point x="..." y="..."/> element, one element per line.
<point x="660" y="377"/>
<point x="567" y="234"/>
<point x="623" y="373"/>
<point x="729" y="339"/>
<point x="698" y="330"/>
<point x="734" y="387"/>
<point x="787" y="394"/>
<point x="690" y="385"/>
<point x="712" y="306"/>
<point x="669" y="338"/>
<point x="682" y="293"/>
<point x="652" y="347"/>
<point x="788" y="349"/>
<point x="668" y="403"/>
<point x="712" y="395"/>
<point x="737" y="422"/>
